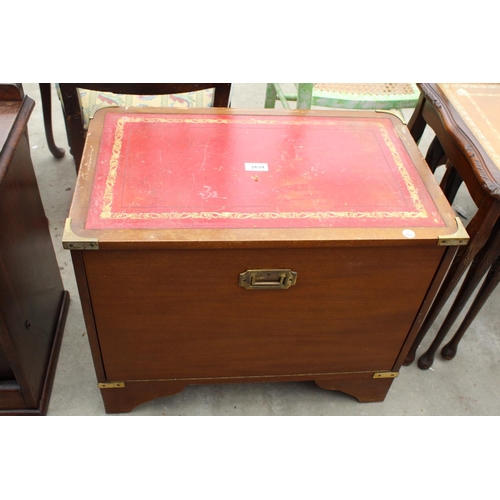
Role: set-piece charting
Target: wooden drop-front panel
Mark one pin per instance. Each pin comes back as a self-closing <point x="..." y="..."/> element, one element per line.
<point x="181" y="314"/>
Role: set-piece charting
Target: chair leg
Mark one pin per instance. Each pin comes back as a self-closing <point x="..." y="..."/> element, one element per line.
<point x="47" y="120"/>
<point x="270" y="101"/>
<point x="281" y="96"/>
<point x="304" y="96"/>
<point x="490" y="282"/>
<point x="222" y="95"/>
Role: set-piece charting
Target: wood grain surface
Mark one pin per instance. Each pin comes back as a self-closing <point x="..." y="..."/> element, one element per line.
<point x="31" y="290"/>
<point x="181" y="313"/>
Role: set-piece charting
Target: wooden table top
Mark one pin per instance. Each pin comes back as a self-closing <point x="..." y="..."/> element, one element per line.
<point x="475" y="109"/>
<point x="478" y="105"/>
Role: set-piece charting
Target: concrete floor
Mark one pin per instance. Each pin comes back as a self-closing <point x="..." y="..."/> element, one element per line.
<point x="468" y="385"/>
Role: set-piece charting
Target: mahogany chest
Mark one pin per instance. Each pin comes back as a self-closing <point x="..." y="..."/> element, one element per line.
<point x="224" y="246"/>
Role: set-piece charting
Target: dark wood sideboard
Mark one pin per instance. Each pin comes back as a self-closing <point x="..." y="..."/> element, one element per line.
<point x="33" y="302"/>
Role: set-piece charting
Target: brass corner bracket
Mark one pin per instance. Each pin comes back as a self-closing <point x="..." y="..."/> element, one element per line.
<point x="393" y="112"/>
<point x="385" y="375"/>
<point x="111" y="385"/>
<point x="72" y="241"/>
<point x="460" y="237"/>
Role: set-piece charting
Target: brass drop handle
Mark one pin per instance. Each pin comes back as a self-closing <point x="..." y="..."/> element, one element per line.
<point x="268" y="279"/>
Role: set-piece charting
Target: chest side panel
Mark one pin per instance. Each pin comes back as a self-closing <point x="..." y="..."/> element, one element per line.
<point x="182" y="314"/>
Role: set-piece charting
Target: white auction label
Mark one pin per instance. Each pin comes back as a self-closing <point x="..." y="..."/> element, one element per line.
<point x="256" y="167"/>
<point x="408" y="233"/>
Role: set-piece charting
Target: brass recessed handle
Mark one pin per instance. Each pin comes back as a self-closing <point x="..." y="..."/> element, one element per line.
<point x="268" y="279"/>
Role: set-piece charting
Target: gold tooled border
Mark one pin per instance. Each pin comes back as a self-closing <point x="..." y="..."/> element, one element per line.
<point x="107" y="213"/>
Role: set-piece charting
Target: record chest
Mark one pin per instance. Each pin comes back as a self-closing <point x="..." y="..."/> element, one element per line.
<point x="229" y="246"/>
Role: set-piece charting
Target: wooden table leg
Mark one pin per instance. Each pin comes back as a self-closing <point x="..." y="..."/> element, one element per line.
<point x="435" y="155"/>
<point x="480" y="229"/>
<point x="451" y="182"/>
<point x="417" y="124"/>
<point x="47" y="120"/>
<point x="479" y="267"/>
<point x="490" y="282"/>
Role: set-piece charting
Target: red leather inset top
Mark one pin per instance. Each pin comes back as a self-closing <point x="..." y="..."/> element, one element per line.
<point x="242" y="171"/>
